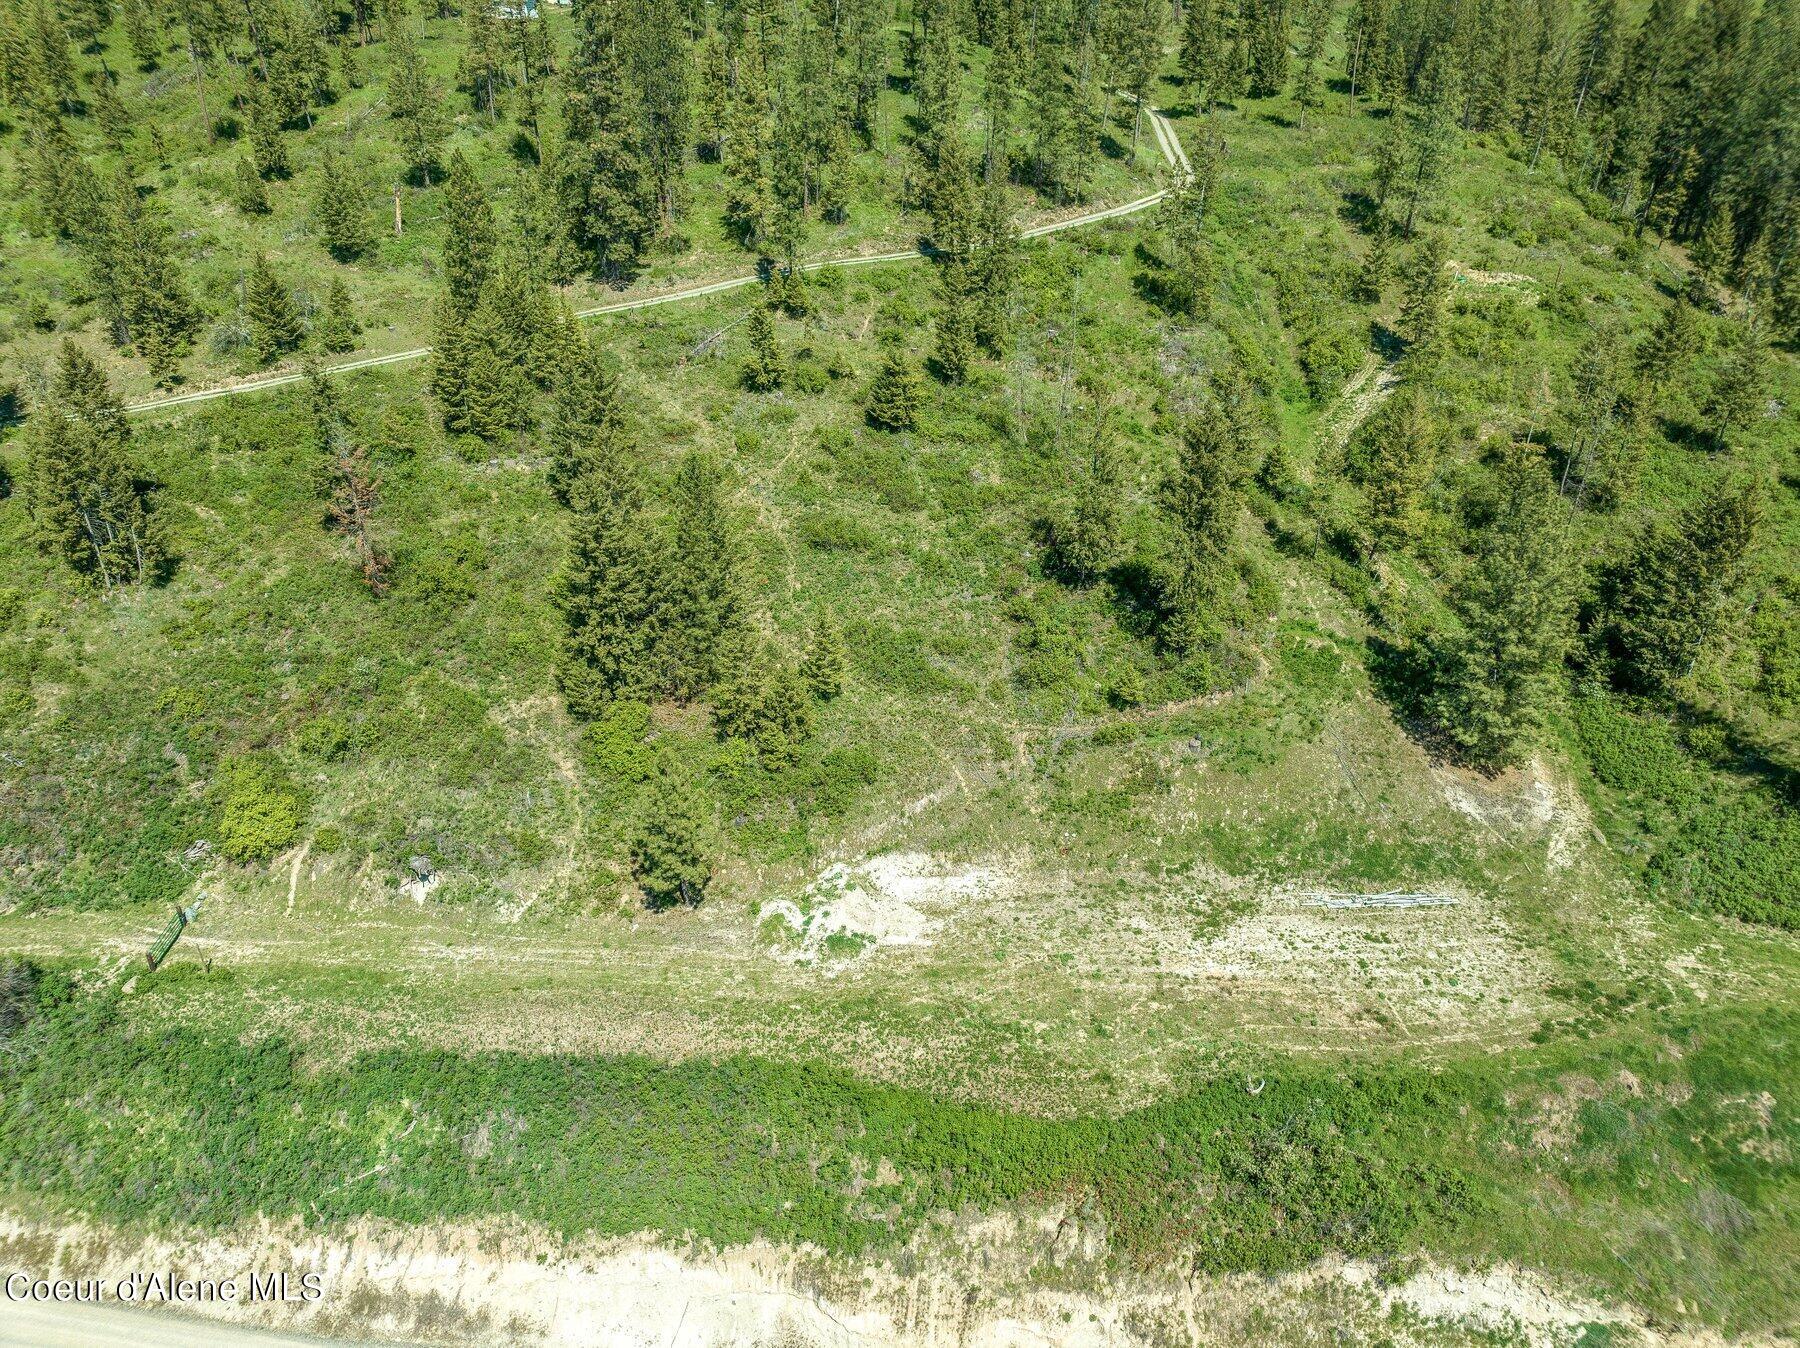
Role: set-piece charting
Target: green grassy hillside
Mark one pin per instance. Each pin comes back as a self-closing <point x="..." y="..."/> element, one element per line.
<point x="1035" y="898"/>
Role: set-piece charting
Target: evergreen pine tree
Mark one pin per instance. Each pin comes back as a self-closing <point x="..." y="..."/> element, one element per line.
<point x="269" y="307"/>
<point x="471" y="242"/>
<point x="936" y="91"/>
<point x="15" y="62"/>
<point x="746" y="147"/>
<point x="1001" y="93"/>
<point x="1234" y="67"/>
<point x="141" y="33"/>
<point x="826" y="661"/>
<point x="954" y="352"/>
<point x="704" y="627"/>
<point x="611" y="590"/>
<point x="267" y="148"/>
<point x="1365" y="40"/>
<point x="109" y="110"/>
<point x="608" y="192"/>
<point x="338" y="327"/>
<point x="896" y="395"/>
<point x="1201" y="500"/>
<point x="1592" y="409"/>
<point x="1431" y="135"/>
<point x="1715" y="252"/>
<point x="247" y="191"/>
<point x="350" y="68"/>
<point x="765" y="368"/>
<point x="587" y="431"/>
<point x="767" y="704"/>
<point x="1309" y="81"/>
<point x="504" y="350"/>
<point x="1267" y="22"/>
<point x="451" y="356"/>
<point x="414" y="102"/>
<point x="1427" y="290"/>
<point x="836" y="177"/>
<point x="1740" y="393"/>
<point x="1052" y="122"/>
<point x="1202" y="48"/>
<point x="1597" y="51"/>
<point x="1134" y="40"/>
<point x="1616" y="460"/>
<point x="202" y="28"/>
<point x="1497" y="670"/>
<point x="996" y="268"/>
<point x="483" y="69"/>
<point x="1184" y="281"/>
<point x="670" y="848"/>
<point x="1086" y="543"/>
<point x="86" y="20"/>
<point x="1672" y="343"/>
<point x="1667" y="599"/>
<point x="1401" y="458"/>
<point x="127" y="247"/>
<point x="1389" y="163"/>
<point x="338" y="208"/>
<point x="81" y="487"/>
<point x="53" y="84"/>
<point x="1086" y="123"/>
<point x="59" y="177"/>
<point x="1377" y="266"/>
<point x="660" y="62"/>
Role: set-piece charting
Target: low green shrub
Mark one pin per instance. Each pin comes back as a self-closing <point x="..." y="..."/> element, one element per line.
<point x="613" y="744"/>
<point x="1739" y="856"/>
<point x="835" y="531"/>
<point x="1640" y="756"/>
<point x="259" y="810"/>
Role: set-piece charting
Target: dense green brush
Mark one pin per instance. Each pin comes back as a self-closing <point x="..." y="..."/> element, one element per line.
<point x="191" y="1127"/>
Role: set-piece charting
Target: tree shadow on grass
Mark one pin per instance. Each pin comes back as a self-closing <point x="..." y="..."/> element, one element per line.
<point x="1134" y="593"/>
<point x="1741" y="750"/>
<point x="1359" y="209"/>
<point x="1686" y="435"/>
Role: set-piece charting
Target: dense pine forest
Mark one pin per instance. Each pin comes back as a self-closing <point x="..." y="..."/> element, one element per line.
<point x="584" y="485"/>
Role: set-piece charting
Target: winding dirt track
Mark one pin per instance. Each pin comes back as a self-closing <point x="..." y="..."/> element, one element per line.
<point x="1166" y="141"/>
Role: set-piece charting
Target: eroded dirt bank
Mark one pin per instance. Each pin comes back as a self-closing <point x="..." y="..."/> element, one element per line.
<point x="988" y="1284"/>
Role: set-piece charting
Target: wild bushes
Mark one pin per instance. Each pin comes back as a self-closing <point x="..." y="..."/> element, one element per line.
<point x="259" y="811"/>
<point x="727" y="1149"/>
<point x="1726" y="845"/>
<point x="1373" y="1161"/>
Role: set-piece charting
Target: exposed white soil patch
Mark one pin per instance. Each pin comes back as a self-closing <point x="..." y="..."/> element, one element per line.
<point x="1368" y="389"/>
<point x="1475" y="276"/>
<point x="996" y="1282"/>
<point x="1440" y="969"/>
<point x="1522" y="802"/>
<point x="1502" y="1300"/>
<point x="418" y="889"/>
<point x="848" y="912"/>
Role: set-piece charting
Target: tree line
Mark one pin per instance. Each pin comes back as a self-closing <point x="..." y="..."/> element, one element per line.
<point x="1678" y="122"/>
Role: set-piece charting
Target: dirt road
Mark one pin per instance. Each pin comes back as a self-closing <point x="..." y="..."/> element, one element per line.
<point x="34" y="1324"/>
<point x="1166" y="140"/>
